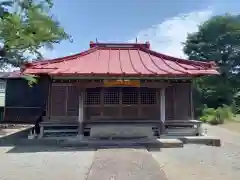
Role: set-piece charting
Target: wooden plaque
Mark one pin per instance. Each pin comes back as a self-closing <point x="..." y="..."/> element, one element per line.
<point x="121" y="83"/>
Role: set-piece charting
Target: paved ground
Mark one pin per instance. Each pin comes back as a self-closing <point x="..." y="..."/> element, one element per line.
<point x="38" y="163"/>
<point x="193" y="162"/>
<point x="41" y="163"/>
<point x="125" y="164"/>
<point x="233" y="126"/>
<point x="197" y="162"/>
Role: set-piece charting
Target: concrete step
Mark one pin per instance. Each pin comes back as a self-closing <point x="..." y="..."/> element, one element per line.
<point x="170" y="143"/>
<point x="206" y="140"/>
<point x="182" y="132"/>
<point x="166" y="142"/>
<point x="149" y="143"/>
<point x="60" y="130"/>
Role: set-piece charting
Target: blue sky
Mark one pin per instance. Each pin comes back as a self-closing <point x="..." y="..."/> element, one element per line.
<point x="165" y="23"/>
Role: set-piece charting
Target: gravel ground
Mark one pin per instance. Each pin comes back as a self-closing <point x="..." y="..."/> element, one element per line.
<point x="39" y="163"/>
<point x="197" y="162"/>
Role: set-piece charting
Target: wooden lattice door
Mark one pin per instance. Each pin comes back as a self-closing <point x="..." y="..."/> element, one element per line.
<point x="121" y="103"/>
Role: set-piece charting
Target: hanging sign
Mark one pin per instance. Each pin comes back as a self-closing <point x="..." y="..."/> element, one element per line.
<point x="131" y="83"/>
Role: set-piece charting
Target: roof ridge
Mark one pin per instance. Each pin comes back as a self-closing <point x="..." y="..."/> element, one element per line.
<point x="185" y="61"/>
<point x="120" y="45"/>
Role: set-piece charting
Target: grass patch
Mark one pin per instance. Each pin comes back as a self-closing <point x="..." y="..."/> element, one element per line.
<point x="217" y="116"/>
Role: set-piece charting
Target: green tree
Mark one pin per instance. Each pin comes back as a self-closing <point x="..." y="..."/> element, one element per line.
<point x="26" y="26"/>
<point x="218" y="39"/>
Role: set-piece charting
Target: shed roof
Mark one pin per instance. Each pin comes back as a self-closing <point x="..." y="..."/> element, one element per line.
<point x="120" y="59"/>
<point x="10" y="75"/>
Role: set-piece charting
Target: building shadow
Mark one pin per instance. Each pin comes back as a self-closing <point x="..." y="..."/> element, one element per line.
<point x="41" y="148"/>
<point x="11" y="139"/>
<point x="35" y="146"/>
<point x="19" y="143"/>
<point x="45" y="148"/>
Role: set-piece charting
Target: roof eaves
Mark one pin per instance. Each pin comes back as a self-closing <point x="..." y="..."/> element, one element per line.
<point x="65" y="58"/>
<point x="211" y="64"/>
<point x="201" y="73"/>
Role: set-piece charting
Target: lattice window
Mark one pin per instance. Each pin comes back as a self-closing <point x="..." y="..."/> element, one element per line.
<point x="130" y="95"/>
<point x="148" y="96"/>
<point x="92" y="96"/>
<point x="111" y="96"/>
<point x="2" y="86"/>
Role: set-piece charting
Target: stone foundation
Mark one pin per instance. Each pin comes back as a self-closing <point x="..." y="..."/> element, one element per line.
<point x="118" y="131"/>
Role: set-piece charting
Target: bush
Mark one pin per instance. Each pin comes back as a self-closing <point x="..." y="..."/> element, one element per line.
<point x="217" y="116"/>
<point x="226" y="112"/>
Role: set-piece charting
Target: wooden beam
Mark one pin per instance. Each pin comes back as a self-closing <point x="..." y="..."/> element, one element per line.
<point x="17" y="107"/>
<point x="89" y="84"/>
<point x="122" y="105"/>
<point x="120" y="77"/>
<point x="62" y="84"/>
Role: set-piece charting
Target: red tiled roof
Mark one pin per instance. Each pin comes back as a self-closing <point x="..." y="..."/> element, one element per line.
<point x="120" y="60"/>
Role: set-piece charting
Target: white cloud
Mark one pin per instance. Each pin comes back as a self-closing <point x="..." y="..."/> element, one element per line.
<point x="168" y="36"/>
<point x="47" y="54"/>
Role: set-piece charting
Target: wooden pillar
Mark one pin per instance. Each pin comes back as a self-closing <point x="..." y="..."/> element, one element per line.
<point x="174" y="97"/>
<point x="48" y="101"/>
<point x="162" y="105"/>
<point x="41" y="132"/>
<point x="191" y="101"/>
<point x="102" y="101"/>
<point x="162" y="110"/>
<point x="80" y="114"/>
<point x="5" y="90"/>
<point x="66" y="101"/>
<point x="121" y="103"/>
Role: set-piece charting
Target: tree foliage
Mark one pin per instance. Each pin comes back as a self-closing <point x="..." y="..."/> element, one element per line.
<point x="218" y="39"/>
<point x="26" y="26"/>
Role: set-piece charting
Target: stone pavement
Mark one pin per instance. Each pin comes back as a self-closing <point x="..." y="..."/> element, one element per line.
<point x="199" y="162"/>
<point x="45" y="163"/>
<point x="193" y="162"/>
<point x="125" y="164"/>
